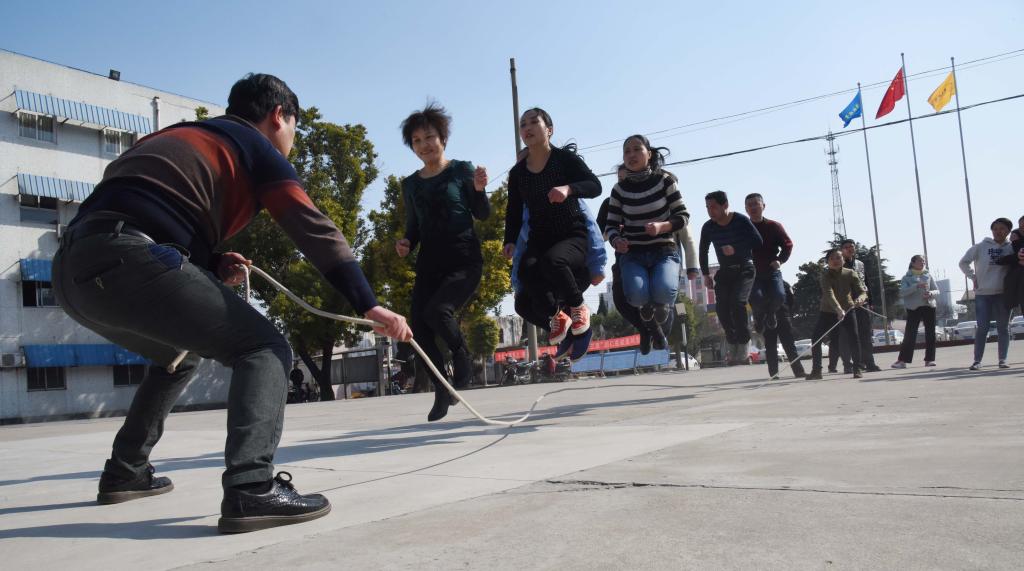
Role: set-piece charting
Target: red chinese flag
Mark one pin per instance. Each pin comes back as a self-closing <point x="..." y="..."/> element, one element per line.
<point x="892" y="95"/>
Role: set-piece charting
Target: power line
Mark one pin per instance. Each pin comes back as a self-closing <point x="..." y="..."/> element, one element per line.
<point x="772" y="108"/>
<point x="837" y="135"/>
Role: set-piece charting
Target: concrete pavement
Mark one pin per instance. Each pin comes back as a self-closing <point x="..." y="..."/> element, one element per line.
<point x="718" y="469"/>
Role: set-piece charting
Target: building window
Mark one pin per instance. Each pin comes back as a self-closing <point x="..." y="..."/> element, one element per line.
<point x="46" y="379"/>
<point x="117" y="142"/>
<point x="128" y="375"/>
<point x="37" y="294"/>
<point x="37" y="127"/>
<point x="42" y="209"/>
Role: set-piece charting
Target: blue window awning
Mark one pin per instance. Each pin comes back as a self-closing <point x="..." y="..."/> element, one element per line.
<point x="36" y="270"/>
<point x="63" y="189"/>
<point x="82" y="113"/>
<point x="80" y="356"/>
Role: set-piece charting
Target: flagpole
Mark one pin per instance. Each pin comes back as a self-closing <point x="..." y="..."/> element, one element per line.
<point x="874" y="215"/>
<point x="913" y="147"/>
<point x="963" y="153"/>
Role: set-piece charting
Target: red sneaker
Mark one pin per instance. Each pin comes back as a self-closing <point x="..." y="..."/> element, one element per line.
<point x="559" y="328"/>
<point x="580" y="319"/>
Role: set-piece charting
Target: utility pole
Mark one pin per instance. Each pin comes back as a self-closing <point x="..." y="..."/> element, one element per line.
<point x="531" y="331"/>
<point x="838" y="222"/>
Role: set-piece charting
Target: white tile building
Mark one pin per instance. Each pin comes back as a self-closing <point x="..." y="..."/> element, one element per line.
<point x="59" y="128"/>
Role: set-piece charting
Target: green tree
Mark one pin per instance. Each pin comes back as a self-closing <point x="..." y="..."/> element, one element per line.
<point x="202" y="113"/>
<point x="482" y="339"/>
<point x="335" y="164"/>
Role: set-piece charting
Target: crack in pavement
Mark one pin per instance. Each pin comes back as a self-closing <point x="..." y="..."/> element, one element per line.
<point x="586" y="485"/>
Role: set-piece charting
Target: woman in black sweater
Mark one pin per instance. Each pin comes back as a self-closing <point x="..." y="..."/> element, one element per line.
<point x="441" y="201"/>
<point x="550" y="182"/>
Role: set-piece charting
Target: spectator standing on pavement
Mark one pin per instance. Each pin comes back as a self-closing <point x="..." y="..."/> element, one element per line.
<point x="441" y="201"/>
<point x="988" y="277"/>
<point x="842" y="291"/>
<point x="734" y="238"/>
<point x="919" y="293"/>
<point x="1013" y="283"/>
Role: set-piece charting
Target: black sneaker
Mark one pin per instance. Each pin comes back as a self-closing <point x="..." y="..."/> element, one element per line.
<point x="847" y="370"/>
<point x="242" y="511"/>
<point x="462" y="368"/>
<point x="872" y="369"/>
<point x="832" y="370"/>
<point x="798" y="370"/>
<point x="645" y="342"/>
<point x="114" y="490"/>
<point x="815" y="375"/>
<point x="442" y="400"/>
<point x="661" y="313"/>
<point x="658" y="339"/>
<point x="857" y="374"/>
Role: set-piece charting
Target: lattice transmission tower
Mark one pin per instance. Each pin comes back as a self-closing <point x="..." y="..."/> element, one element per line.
<point x="838" y="222"/>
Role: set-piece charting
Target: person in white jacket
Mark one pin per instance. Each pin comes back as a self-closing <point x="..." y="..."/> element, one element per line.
<point x="918" y="290"/>
<point x="987" y="276"/>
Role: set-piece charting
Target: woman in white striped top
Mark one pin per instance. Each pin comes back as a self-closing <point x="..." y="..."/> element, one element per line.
<point x="644" y="211"/>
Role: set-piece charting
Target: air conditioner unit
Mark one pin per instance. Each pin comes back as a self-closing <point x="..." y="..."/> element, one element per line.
<point x="11" y="360"/>
<point x="61" y="229"/>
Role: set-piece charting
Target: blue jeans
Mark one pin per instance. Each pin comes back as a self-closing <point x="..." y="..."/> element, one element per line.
<point x="650" y="276"/>
<point x="988" y="308"/>
<point x="768" y="293"/>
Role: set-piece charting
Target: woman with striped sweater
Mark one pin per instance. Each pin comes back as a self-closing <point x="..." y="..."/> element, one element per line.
<point x="644" y="212"/>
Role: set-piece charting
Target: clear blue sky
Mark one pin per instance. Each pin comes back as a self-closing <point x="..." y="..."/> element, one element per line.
<point x="605" y="70"/>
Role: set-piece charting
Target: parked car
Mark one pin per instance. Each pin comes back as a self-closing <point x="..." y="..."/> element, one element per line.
<point x="1017" y="327"/>
<point x="803" y="345"/>
<point x="965" y="330"/>
<point x="895" y="338"/>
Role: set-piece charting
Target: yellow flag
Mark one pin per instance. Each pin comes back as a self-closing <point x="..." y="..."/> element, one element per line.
<point x="943" y="93"/>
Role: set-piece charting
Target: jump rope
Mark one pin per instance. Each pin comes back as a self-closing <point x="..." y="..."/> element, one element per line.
<point x="419" y="351"/>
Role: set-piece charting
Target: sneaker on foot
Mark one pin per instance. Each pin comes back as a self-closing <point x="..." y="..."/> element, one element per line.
<point x="929" y="363"/>
<point x="872" y="368"/>
<point x="559" y="328"/>
<point x="242" y="511"/>
<point x="565" y="347"/>
<point x="645" y="342"/>
<point x="580" y="319"/>
<point x="857" y="374"/>
<point x="834" y="370"/>
<point x="899" y="365"/>
<point x="975" y="366"/>
<point x="580" y="345"/>
<point x="114" y="490"/>
<point x="1003" y="365"/>
<point x="814" y="375"/>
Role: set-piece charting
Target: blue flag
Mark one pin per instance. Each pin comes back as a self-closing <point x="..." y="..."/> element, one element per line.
<point x="852" y="111"/>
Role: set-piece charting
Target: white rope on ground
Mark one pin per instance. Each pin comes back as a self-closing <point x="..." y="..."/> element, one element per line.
<point x="359" y="321"/>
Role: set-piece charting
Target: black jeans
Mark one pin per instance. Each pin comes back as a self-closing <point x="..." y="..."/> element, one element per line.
<point x="914" y="318"/>
<point x="865" y="342"/>
<point x="548" y="271"/>
<point x="149" y="299"/>
<point x="732" y="289"/>
<point x="628" y="312"/>
<point x="849" y="326"/>
<point x="783" y="332"/>
<point x="537" y="313"/>
<point x="437" y="296"/>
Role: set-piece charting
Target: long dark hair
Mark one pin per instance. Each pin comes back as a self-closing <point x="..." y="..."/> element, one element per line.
<point x="546" y="117"/>
<point x="658" y="154"/>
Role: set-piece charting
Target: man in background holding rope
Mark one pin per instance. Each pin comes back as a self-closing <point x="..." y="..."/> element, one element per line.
<point x="137" y="265"/>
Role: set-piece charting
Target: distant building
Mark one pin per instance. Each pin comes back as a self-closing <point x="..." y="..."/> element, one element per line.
<point x="59" y="129"/>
